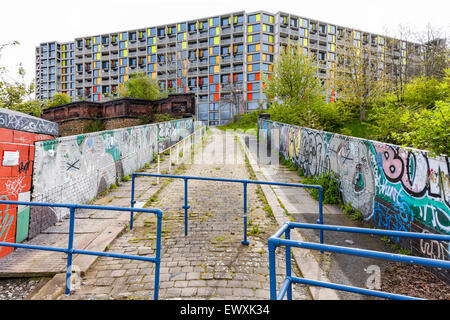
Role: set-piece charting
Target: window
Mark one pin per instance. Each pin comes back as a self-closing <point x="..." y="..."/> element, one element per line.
<point x="253" y="105"/>
<point x="254" y="47"/>
<point x="267" y="48"/>
<point x="253" y="67"/>
<point x="214" y="60"/>
<point x="321" y="56"/>
<point x="322" y="28"/>
<point x="214" y="88"/>
<point x="254" y="28"/>
<point x="253" y="86"/>
<point x="238" y="19"/>
<point x="254" y="18"/>
<point x="253" y="57"/>
<point x="304" y="23"/>
<point x="225" y="78"/>
<point x="238" y="48"/>
<point x="225" y="22"/>
<point x="181" y="27"/>
<point x="253" y="77"/>
<point x="294" y="22"/>
<point x="238" y="77"/>
<point x="267" y="18"/>
<point x="253" y="38"/>
<point x="267" y="28"/>
<point x="267" y="38"/>
<point x="267" y="67"/>
<point x="214" y="41"/>
<point x="192" y="27"/>
<point x="214" y="22"/>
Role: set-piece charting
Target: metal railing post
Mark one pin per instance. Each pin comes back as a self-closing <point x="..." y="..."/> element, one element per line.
<point x="70" y="250"/>
<point x="157" y="179"/>
<point x="287" y="236"/>
<point x="272" y="271"/>
<point x="157" y="254"/>
<point x="186" y="207"/>
<point x="132" y="200"/>
<point x="245" y="241"/>
<point x="170" y="160"/>
<point x="320" y="221"/>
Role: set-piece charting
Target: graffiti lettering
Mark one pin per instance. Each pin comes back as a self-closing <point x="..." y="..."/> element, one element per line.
<point x="24" y="167"/>
<point x="434" y="249"/>
<point x="5" y="221"/>
<point x="417" y="174"/>
<point x="15" y="186"/>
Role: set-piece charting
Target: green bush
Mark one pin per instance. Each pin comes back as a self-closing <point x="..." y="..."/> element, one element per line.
<point x="94" y="126"/>
<point x="330" y="186"/>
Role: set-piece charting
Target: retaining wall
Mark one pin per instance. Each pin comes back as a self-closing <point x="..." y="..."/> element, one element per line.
<point x="76" y="169"/>
<point x="395" y="188"/>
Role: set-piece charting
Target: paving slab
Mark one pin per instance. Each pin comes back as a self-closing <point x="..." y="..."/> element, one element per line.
<point x="94" y="231"/>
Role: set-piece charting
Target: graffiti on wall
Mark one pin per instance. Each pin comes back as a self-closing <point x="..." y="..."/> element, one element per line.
<point x="16" y="158"/>
<point x="171" y="132"/>
<point x="19" y="121"/>
<point x="76" y="169"/>
<point x="394" y="187"/>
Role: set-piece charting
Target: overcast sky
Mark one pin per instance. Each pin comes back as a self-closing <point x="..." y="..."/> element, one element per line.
<point x="33" y="22"/>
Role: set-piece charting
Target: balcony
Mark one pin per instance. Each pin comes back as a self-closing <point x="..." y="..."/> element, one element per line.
<point x="225" y="41"/>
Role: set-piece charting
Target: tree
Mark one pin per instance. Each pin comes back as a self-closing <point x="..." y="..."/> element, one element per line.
<point x="360" y="77"/>
<point x="434" y="53"/>
<point x="295" y="94"/>
<point x="429" y="129"/>
<point x="58" y="99"/>
<point x="140" y="86"/>
<point x="16" y="94"/>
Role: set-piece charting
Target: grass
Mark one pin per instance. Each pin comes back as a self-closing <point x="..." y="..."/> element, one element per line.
<point x="254" y="231"/>
<point x="243" y="122"/>
<point x="357" y="129"/>
<point x="354" y="214"/>
<point x="396" y="247"/>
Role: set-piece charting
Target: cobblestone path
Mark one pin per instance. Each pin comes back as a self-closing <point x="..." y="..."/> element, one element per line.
<point x="209" y="263"/>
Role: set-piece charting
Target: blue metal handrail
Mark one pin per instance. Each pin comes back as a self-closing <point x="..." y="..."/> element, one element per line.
<point x="70" y="250"/>
<point x="244" y="182"/>
<point x="286" y="288"/>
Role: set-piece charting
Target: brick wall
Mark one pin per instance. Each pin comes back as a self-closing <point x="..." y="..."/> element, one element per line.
<point x="16" y="166"/>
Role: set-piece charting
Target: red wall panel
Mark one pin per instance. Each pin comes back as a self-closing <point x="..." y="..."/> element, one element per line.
<point x="15" y="179"/>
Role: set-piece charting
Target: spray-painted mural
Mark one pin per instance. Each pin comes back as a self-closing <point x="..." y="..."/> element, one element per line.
<point x="396" y="188"/>
<point x="76" y="169"/>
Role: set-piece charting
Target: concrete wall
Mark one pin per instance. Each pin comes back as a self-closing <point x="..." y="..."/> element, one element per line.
<point x="395" y="188"/>
<point x="76" y="169"/>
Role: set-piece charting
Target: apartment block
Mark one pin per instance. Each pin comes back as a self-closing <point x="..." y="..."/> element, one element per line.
<point x="222" y="59"/>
